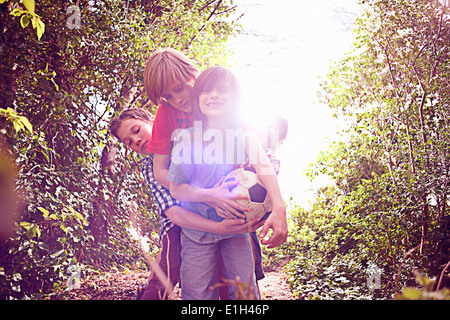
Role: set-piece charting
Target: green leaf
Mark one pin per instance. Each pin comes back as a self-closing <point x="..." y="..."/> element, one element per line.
<point x="25" y="21"/>
<point x="18" y="125"/>
<point x="40" y="29"/>
<point x="64" y="228"/>
<point x="56" y="85"/>
<point x="44" y="152"/>
<point x="57" y="254"/>
<point x="412" y="293"/>
<point x="25" y="225"/>
<point x="53" y="216"/>
<point x="34" y="22"/>
<point x="43" y="246"/>
<point x="19" y="122"/>
<point x="31" y="233"/>
<point x="26" y="123"/>
<point x="29" y="5"/>
<point x="79" y="216"/>
<point x="38" y="231"/>
<point x="45" y="212"/>
<point x="17" y="12"/>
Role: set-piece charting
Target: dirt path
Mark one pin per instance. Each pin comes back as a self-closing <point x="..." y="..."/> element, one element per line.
<point x="124" y="285"/>
<point x="274" y="286"/>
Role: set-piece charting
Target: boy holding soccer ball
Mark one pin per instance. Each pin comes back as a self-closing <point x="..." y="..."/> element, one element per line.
<point x="168" y="77"/>
<point x="199" y="159"/>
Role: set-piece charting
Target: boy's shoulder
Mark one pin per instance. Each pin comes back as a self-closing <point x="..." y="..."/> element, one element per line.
<point x="147" y="161"/>
<point x="170" y="116"/>
<point x="167" y="121"/>
<point x="164" y="112"/>
<point x="171" y="111"/>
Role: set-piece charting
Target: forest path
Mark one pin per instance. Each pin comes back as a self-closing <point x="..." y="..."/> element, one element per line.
<point x="124" y="285"/>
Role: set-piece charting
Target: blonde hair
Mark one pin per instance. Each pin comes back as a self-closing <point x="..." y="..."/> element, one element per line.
<point x="133" y="113"/>
<point x="165" y="67"/>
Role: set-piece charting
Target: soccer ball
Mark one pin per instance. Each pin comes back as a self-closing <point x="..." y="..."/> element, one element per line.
<point x="250" y="185"/>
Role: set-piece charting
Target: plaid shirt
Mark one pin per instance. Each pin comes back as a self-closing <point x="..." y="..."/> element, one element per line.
<point x="163" y="198"/>
<point x="275" y="163"/>
<point x="160" y="194"/>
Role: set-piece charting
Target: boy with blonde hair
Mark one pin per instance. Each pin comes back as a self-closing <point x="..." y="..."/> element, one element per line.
<point x="169" y="78"/>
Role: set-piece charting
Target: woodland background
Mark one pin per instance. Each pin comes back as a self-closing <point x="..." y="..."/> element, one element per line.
<point x="71" y="196"/>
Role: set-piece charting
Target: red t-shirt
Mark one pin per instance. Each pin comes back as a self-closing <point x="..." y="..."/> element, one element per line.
<point x="167" y="120"/>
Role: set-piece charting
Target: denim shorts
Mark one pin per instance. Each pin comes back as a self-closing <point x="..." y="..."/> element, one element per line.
<point x="199" y="268"/>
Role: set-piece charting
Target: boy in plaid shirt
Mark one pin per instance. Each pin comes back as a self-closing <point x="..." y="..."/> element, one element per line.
<point x="168" y="80"/>
<point x="134" y="128"/>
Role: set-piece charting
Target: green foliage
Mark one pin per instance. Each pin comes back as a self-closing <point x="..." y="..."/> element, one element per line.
<point x="329" y="249"/>
<point x="388" y="205"/>
<point x="19" y="122"/>
<point x="427" y="292"/>
<point x="28" y="15"/>
<point x="80" y="193"/>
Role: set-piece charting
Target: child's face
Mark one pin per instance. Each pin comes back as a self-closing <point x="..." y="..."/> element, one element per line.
<point x="179" y="95"/>
<point x="216" y="102"/>
<point x="136" y="134"/>
<point x="270" y="138"/>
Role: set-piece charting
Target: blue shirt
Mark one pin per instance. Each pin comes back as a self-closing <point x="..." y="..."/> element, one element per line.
<point x="200" y="158"/>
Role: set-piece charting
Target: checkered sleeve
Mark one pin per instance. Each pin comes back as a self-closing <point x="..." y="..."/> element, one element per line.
<point x="161" y="196"/>
<point x="275" y="163"/>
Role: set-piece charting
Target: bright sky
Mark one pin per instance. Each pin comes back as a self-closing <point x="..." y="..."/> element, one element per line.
<point x="285" y="46"/>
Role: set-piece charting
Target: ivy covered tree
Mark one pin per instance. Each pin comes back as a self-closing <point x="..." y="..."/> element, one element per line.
<point x="389" y="203"/>
<point x="66" y="69"/>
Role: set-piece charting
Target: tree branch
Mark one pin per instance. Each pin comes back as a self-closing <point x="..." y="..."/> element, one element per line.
<point x="401" y="265"/>
<point x="209" y="18"/>
<point x="442" y="275"/>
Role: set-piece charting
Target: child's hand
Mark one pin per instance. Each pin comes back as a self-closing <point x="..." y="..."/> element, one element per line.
<point x="278" y="223"/>
<point x="224" y="201"/>
<point x="237" y="226"/>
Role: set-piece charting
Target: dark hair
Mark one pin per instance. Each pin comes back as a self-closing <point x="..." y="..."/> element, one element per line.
<point x="208" y="80"/>
<point x="132" y="113"/>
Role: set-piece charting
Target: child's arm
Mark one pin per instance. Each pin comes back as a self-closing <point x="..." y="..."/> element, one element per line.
<point x="188" y="219"/>
<point x="161" y="168"/>
<point x="191" y="220"/>
<point x="220" y="195"/>
<point x="277" y="219"/>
